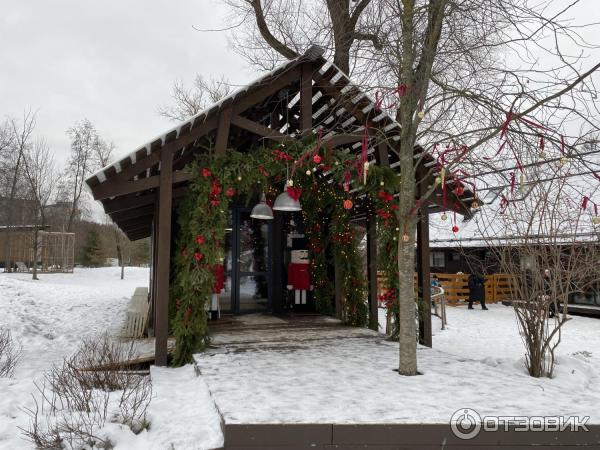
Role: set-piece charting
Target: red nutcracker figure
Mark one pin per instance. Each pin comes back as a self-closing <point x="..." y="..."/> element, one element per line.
<point x="219" y="274"/>
<point x="299" y="276"/>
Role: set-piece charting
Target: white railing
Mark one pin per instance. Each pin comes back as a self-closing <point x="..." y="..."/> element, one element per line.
<point x="438" y="297"/>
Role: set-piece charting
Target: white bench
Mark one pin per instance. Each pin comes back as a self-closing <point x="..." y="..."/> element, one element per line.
<point x="137" y="314"/>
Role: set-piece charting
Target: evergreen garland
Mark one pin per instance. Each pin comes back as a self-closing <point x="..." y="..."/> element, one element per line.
<point x="218" y="180"/>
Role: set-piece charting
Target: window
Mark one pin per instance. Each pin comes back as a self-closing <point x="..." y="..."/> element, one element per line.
<point x="437" y="259"/>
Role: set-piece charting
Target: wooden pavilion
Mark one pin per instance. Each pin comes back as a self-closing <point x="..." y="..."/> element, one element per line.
<point x="303" y="96"/>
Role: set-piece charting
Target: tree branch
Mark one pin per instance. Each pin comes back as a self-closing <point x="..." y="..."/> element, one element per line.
<point x="265" y="32"/>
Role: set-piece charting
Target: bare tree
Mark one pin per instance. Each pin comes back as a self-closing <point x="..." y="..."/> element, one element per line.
<point x="41" y="177"/>
<point x="19" y="142"/>
<point x="89" y="152"/>
<point x="553" y="256"/>
<point x="464" y="73"/>
<point x="188" y="102"/>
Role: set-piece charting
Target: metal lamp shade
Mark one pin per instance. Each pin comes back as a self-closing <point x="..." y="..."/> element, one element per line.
<point x="262" y="210"/>
<point x="284" y="202"/>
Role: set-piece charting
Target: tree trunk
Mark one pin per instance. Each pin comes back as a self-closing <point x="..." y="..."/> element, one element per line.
<point x="35" y="252"/>
<point x="406" y="264"/>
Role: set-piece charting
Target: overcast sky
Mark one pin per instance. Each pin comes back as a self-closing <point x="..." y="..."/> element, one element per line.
<point x="112" y="61"/>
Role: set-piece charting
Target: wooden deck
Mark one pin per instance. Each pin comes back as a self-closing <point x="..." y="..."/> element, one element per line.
<point x="287" y="334"/>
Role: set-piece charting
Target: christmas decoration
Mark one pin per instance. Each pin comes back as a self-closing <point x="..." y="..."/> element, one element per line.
<point x="405" y="237"/>
<point x="455" y="229"/>
<point x="347" y="204"/>
<point x="317" y="159"/>
<point x="421" y="114"/>
<point x="299" y="276"/>
<point x="444" y="217"/>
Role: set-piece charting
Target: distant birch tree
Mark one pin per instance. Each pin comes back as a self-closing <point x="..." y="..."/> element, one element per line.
<point x="89" y="152"/>
<point x="40" y="173"/>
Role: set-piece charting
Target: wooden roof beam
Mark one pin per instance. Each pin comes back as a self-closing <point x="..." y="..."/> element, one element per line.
<point x="260" y="130"/>
<point x="223" y="131"/>
<point x="132" y="213"/>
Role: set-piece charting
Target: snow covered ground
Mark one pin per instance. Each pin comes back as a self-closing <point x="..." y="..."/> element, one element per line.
<point x="50" y="316"/>
<point x="283" y="374"/>
<point x="290" y="376"/>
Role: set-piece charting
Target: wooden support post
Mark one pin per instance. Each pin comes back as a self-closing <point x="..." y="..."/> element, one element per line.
<point x="223" y="131"/>
<point x="306" y="99"/>
<point x="372" y="270"/>
<point x="163" y="258"/>
<point x="424" y="282"/>
<point x="154" y="243"/>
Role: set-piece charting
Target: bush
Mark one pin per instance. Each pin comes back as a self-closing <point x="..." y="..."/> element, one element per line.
<point x="91" y="388"/>
<point x="10" y="353"/>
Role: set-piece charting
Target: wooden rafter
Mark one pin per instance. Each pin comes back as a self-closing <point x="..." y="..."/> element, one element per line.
<point x="260" y="130"/>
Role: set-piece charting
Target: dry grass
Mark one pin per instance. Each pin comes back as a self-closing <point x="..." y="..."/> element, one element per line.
<point x="10" y="354"/>
<point x="91" y="388"/>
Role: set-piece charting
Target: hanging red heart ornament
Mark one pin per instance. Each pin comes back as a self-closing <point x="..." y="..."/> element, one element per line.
<point x="294" y="192"/>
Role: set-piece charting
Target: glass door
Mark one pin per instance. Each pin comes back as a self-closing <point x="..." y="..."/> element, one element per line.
<point x="251" y="275"/>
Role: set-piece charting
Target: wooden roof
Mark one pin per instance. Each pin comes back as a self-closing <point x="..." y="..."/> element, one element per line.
<point x="301" y="96"/>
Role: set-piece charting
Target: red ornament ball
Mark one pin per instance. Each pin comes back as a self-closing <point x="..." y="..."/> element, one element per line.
<point x="198" y="256"/>
<point x="455" y="229"/>
<point x="206" y="172"/>
<point x="317" y="159"/>
<point x="459" y="191"/>
<point x="230" y="192"/>
<point x="200" y="240"/>
<point x="347" y="204"/>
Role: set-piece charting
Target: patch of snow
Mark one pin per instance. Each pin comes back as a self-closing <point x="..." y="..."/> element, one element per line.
<point x="346" y="375"/>
<point x="49" y="318"/>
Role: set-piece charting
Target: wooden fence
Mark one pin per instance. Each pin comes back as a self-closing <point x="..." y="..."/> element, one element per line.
<point x="456" y="287"/>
